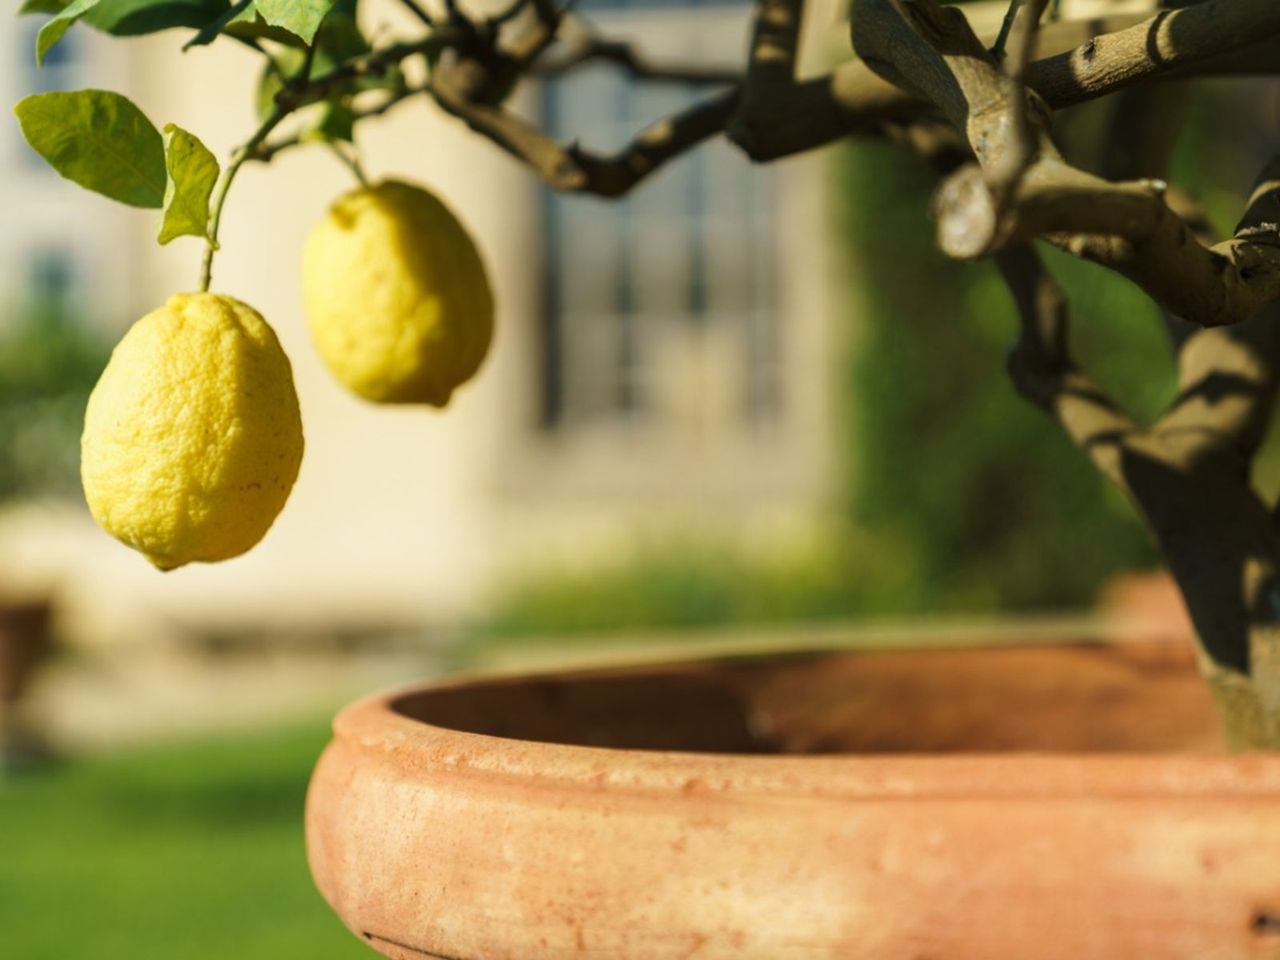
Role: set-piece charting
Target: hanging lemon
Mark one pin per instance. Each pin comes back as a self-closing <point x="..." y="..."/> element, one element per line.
<point x="397" y="297"/>
<point x="192" y="437"/>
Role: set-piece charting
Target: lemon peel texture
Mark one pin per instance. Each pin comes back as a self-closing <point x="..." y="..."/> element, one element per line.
<point x="192" y="437"/>
<point x="397" y="297"/>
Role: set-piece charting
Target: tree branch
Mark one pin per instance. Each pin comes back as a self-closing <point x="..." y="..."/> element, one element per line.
<point x="1043" y="371"/>
<point x="373" y="64"/>
<point x="1229" y="378"/>
<point x="853" y="99"/>
<point x="624" y="55"/>
<point x="572" y="169"/>
<point x="1139" y="140"/>
<point x="1190" y="40"/>
<point x="1199" y="504"/>
<point x="1125" y="226"/>
<point x="778" y="119"/>
<point x="266" y="152"/>
<point x="1005" y="175"/>
<point x="775" y="38"/>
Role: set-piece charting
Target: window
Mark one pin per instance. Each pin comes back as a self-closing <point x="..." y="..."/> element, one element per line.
<point x="51" y="279"/>
<point x="60" y="62"/>
<point x="668" y="293"/>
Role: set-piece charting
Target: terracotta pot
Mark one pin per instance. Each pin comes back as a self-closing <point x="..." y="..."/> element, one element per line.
<point x="1067" y="801"/>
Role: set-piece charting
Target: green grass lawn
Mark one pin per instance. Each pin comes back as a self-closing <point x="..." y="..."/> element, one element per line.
<point x="181" y="853"/>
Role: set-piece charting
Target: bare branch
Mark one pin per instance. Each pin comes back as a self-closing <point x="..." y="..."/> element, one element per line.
<point x="1006" y="27"/>
<point x="1209" y="523"/>
<point x="780" y="117"/>
<point x="266" y="152"/>
<point x="1043" y="371"/>
<point x="418" y="11"/>
<point x="1228" y="382"/>
<point x="572" y="169"/>
<point x="1229" y="379"/>
<point x="637" y="65"/>
<point x="470" y="77"/>
<point x="1004" y="176"/>
<point x="774" y="41"/>
<point x="769" y="93"/>
<point x="1172" y="43"/>
<point x="1125" y="226"/>
<point x="513" y="10"/>
<point x="1261" y="217"/>
<point x="1210" y="286"/>
<point x="373" y="64"/>
<point x="854" y="100"/>
<point x="543" y="35"/>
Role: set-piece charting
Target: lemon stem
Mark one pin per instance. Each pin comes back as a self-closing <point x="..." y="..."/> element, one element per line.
<point x="238" y="160"/>
<point x="351" y="160"/>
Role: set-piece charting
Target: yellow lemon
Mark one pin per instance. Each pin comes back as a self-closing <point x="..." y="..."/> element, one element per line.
<point x="396" y="294"/>
<point x="192" y="436"/>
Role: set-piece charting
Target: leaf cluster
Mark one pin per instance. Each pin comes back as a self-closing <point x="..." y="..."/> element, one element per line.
<point x="104" y="142"/>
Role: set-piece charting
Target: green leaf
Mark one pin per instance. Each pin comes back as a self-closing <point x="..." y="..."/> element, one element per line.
<point x="208" y="33"/>
<point x="41" y="6"/>
<point x="250" y="25"/>
<point x="288" y="62"/>
<point x="300" y="17"/>
<point x="192" y="173"/>
<point x="339" y="39"/>
<point x="53" y="31"/>
<point x="99" y="140"/>
<point x="131" y="18"/>
<point x="334" y="121"/>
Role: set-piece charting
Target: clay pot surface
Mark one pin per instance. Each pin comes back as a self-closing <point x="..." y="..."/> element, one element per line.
<point x="1060" y="801"/>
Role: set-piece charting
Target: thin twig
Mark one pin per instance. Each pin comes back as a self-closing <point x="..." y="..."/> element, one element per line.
<point x="351" y="160"/>
<point x="267" y="151"/>
<point x="1044" y="372"/>
<point x="507" y="15"/>
<point x="542" y="35"/>
<point x="1005" y="174"/>
<point x="1006" y="25"/>
<point x="373" y="64"/>
<point x="624" y="55"/>
<point x="572" y="169"/>
<point x="219" y="199"/>
<point x="420" y="12"/>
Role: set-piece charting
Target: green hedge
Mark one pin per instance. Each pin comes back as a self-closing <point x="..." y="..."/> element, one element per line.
<point x="974" y="494"/>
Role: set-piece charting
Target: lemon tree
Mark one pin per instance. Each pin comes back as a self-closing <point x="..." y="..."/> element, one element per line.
<point x="193" y="434"/>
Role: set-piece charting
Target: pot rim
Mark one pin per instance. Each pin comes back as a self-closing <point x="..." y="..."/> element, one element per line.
<point x="375" y="727"/>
